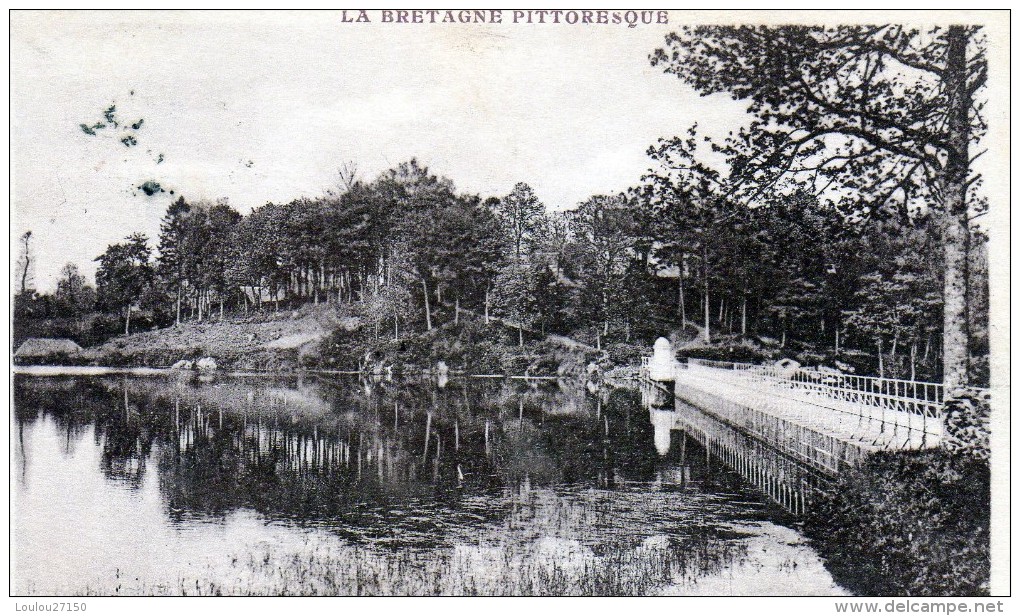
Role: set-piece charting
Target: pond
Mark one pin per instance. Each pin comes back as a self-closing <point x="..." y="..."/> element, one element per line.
<point x="345" y="486"/>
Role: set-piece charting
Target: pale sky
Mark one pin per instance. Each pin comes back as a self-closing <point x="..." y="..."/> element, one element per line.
<point x="260" y="108"/>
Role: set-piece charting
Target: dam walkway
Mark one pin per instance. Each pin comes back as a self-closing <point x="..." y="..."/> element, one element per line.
<point x="823" y="420"/>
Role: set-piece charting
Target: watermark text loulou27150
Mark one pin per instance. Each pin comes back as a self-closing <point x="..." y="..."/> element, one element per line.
<point x="52" y="606"/>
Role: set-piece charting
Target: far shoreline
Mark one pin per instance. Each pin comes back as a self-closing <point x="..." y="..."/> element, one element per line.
<point x="66" y="370"/>
<point x="72" y="370"/>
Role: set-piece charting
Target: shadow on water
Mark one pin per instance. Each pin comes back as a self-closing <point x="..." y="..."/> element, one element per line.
<point x="776" y="474"/>
<point x="347" y="486"/>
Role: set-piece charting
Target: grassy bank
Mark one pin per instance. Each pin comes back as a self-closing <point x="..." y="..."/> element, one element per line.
<point x="908" y="524"/>
<point x="264" y="341"/>
<point x="316" y="337"/>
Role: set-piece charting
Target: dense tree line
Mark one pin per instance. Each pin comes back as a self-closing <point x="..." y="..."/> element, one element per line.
<point x="406" y="252"/>
<point x="840" y="219"/>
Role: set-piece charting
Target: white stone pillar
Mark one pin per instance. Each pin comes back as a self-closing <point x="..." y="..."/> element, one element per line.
<point x="662" y="366"/>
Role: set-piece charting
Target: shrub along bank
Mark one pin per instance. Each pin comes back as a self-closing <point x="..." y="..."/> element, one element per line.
<point x="914" y="523"/>
<point x="469" y="347"/>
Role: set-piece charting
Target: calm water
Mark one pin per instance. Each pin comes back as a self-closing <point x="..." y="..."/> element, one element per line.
<point x="155" y="485"/>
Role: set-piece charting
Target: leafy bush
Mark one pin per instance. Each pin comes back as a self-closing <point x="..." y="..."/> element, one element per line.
<point x="980" y="374"/>
<point x="907" y="523"/>
<point x="810" y="358"/>
<point x="737" y="353"/>
<point x="342" y="349"/>
<point x="545" y="364"/>
<point x="483" y="357"/>
<point x="626" y="354"/>
<point x="968" y="416"/>
<point x="469" y="346"/>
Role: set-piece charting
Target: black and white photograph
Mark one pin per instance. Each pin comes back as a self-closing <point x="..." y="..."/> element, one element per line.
<point x="500" y="302"/>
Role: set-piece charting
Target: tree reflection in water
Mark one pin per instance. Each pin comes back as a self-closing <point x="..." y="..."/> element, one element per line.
<point x="480" y="486"/>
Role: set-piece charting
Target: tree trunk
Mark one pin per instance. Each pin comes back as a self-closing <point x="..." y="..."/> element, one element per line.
<point x="24" y="272"/>
<point x="428" y="310"/>
<point x="200" y="306"/>
<point x="486" y="306"/>
<point x="743" y="317"/>
<point x="881" y="366"/>
<point x="605" y="313"/>
<point x="520" y="336"/>
<point x="708" y="337"/>
<point x="683" y="308"/>
<point x="955" y="233"/>
<point x="127" y="321"/>
<point x="837" y="340"/>
<point x="177" y="319"/>
<point x="456" y="311"/>
<point x="913" y="361"/>
<point x="221" y="308"/>
<point x="704" y="258"/>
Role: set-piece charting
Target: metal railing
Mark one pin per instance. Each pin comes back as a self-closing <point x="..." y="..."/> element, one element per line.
<point x="898" y="395"/>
